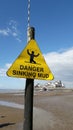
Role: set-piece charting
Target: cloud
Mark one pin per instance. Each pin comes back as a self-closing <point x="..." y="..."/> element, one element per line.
<point x="8" y="65"/>
<point x="4" y="32"/>
<point x="4" y="70"/>
<point x="61" y="64"/>
<point x="11" y="30"/>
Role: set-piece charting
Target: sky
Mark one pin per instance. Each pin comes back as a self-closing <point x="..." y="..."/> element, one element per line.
<point x="53" y="23"/>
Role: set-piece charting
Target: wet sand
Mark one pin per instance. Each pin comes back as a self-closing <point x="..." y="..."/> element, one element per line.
<point x="52" y="111"/>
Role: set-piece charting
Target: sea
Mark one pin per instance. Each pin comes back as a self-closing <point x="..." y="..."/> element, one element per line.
<point x="11" y="90"/>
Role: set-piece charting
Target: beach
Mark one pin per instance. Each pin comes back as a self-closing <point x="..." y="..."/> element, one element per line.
<point x="53" y="110"/>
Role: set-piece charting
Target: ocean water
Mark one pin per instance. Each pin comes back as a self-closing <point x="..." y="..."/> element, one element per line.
<point x="10" y="90"/>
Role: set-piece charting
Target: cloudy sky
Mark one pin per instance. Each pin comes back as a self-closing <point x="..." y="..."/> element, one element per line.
<point x="53" y="22"/>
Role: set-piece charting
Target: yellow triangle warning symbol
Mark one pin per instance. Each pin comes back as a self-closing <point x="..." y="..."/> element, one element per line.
<point x="30" y="64"/>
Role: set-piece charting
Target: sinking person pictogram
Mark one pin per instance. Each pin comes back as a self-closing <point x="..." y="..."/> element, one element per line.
<point x="32" y="55"/>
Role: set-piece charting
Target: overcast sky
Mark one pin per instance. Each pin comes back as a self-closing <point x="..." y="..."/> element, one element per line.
<point x="53" y="22"/>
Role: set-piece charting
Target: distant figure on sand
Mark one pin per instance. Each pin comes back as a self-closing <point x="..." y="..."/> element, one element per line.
<point x="32" y="55"/>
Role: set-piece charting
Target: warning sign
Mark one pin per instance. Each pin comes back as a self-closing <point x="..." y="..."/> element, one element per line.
<point x="30" y="64"/>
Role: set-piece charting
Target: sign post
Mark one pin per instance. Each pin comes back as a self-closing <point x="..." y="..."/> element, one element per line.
<point x="30" y="64"/>
<point x="29" y="89"/>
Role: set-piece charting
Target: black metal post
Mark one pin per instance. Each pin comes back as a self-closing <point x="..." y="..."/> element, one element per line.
<point x="29" y="89"/>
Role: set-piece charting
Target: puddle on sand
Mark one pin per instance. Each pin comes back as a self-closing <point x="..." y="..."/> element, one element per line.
<point x="11" y="104"/>
<point x="41" y="118"/>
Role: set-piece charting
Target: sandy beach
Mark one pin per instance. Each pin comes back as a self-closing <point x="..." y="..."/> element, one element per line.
<point x="52" y="110"/>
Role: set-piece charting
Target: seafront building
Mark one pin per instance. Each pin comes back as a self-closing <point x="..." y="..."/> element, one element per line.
<point x="49" y="85"/>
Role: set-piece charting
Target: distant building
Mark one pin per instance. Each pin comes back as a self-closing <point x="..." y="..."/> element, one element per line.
<point x="49" y="85"/>
<point x="59" y="84"/>
<point x="38" y="87"/>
